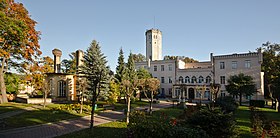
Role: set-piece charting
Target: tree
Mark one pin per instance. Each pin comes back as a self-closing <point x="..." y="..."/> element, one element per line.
<point x="271" y="69"/>
<point x="69" y="65"/>
<point x="142" y="75"/>
<point x="151" y="87"/>
<point x="241" y="85"/>
<point x="81" y="88"/>
<point x="185" y="59"/>
<point x="114" y="92"/>
<point x="130" y="82"/>
<point x="18" y="39"/>
<point x="13" y="81"/>
<point x="95" y="70"/>
<point x="138" y="57"/>
<point x="121" y="68"/>
<point x="36" y="73"/>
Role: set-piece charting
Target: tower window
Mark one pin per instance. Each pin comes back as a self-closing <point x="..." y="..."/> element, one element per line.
<point x="155" y="68"/>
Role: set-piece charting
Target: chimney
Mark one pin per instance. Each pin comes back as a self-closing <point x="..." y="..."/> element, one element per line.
<point x="57" y="55"/>
<point x="79" y="58"/>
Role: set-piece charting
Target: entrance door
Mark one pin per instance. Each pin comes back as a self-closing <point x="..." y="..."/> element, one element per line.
<point x="191" y="93"/>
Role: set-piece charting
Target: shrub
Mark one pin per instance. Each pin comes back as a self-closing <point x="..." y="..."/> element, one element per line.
<point x="227" y="104"/>
<point x="257" y="103"/>
<point x="141" y="125"/>
<point x="215" y="123"/>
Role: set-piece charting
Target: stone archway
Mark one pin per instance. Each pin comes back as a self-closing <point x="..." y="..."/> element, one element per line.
<point x="191" y="93"/>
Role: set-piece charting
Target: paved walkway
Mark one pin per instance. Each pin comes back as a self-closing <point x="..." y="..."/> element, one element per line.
<point x="63" y="127"/>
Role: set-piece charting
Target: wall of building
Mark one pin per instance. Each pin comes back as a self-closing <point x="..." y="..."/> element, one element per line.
<point x="238" y="63"/>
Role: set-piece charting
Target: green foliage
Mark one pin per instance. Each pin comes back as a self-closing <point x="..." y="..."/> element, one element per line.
<point x="161" y="126"/>
<point x="95" y="70"/>
<point x="138" y="57"/>
<point x="185" y="59"/>
<point x="271" y="68"/>
<point x="241" y="85"/>
<point x="69" y="65"/>
<point x="143" y="73"/>
<point x="114" y="92"/>
<point x="227" y="104"/>
<point x="12" y="82"/>
<point x="121" y="68"/>
<point x="257" y="103"/>
<point x="72" y="108"/>
<point x="214" y="122"/>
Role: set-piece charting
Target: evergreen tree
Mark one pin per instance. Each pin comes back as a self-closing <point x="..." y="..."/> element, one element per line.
<point x="129" y="83"/>
<point x="96" y="72"/>
<point x="120" y="69"/>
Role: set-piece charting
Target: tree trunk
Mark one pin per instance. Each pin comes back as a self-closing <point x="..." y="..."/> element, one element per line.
<point x="2" y="85"/>
<point x="240" y="98"/>
<point x="45" y="97"/>
<point x="151" y="106"/>
<point x="92" y="112"/>
<point x="128" y="109"/>
<point x="82" y="102"/>
<point x="277" y="104"/>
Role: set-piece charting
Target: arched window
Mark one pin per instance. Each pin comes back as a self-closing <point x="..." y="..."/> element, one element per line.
<point x="187" y="79"/>
<point x="200" y="79"/>
<point x="193" y="79"/>
<point x="181" y="79"/>
<point x="208" y="79"/>
<point x="62" y="88"/>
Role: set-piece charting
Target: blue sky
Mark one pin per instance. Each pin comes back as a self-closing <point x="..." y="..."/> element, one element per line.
<point x="192" y="28"/>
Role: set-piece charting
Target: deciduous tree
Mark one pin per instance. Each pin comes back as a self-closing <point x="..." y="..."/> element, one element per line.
<point x="18" y="39"/>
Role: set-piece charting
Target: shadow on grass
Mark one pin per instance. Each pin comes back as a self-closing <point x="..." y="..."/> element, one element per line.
<point x="36" y="117"/>
<point x="109" y="130"/>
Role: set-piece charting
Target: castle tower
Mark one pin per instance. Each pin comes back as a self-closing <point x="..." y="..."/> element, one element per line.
<point x="153" y="45"/>
<point x="57" y="55"/>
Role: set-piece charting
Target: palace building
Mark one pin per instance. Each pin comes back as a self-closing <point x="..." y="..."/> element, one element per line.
<point x="191" y="81"/>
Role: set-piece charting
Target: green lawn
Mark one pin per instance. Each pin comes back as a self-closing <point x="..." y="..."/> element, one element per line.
<point x="243" y="119"/>
<point x="243" y="122"/>
<point x="117" y="129"/>
<point x="108" y="130"/>
<point x="39" y="116"/>
<point x="12" y="106"/>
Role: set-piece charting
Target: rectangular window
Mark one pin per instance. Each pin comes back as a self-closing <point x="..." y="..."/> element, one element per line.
<point x="223" y="79"/>
<point x="155" y="68"/>
<point x="170" y="91"/>
<point x="162" y="67"/>
<point x="162" y="79"/>
<point x="170" y="67"/>
<point x="234" y="64"/>
<point x="169" y="79"/>
<point x="162" y="91"/>
<point x="222" y="65"/>
<point x="247" y="64"/>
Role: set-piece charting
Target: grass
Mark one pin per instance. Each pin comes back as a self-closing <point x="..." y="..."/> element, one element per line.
<point x="121" y="106"/>
<point x="117" y="129"/>
<point x="39" y="116"/>
<point x="108" y="130"/>
<point x="243" y="119"/>
<point x="242" y="116"/>
<point x="12" y="106"/>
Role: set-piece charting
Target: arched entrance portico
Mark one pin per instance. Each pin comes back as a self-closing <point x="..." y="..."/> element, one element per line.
<point x="191" y="93"/>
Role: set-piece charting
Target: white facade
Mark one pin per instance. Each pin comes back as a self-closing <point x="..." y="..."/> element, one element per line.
<point x="153" y="44"/>
<point x="247" y="63"/>
<point x="192" y="80"/>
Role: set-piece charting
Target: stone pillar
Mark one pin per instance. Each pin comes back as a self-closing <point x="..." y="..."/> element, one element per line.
<point x="57" y="55"/>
